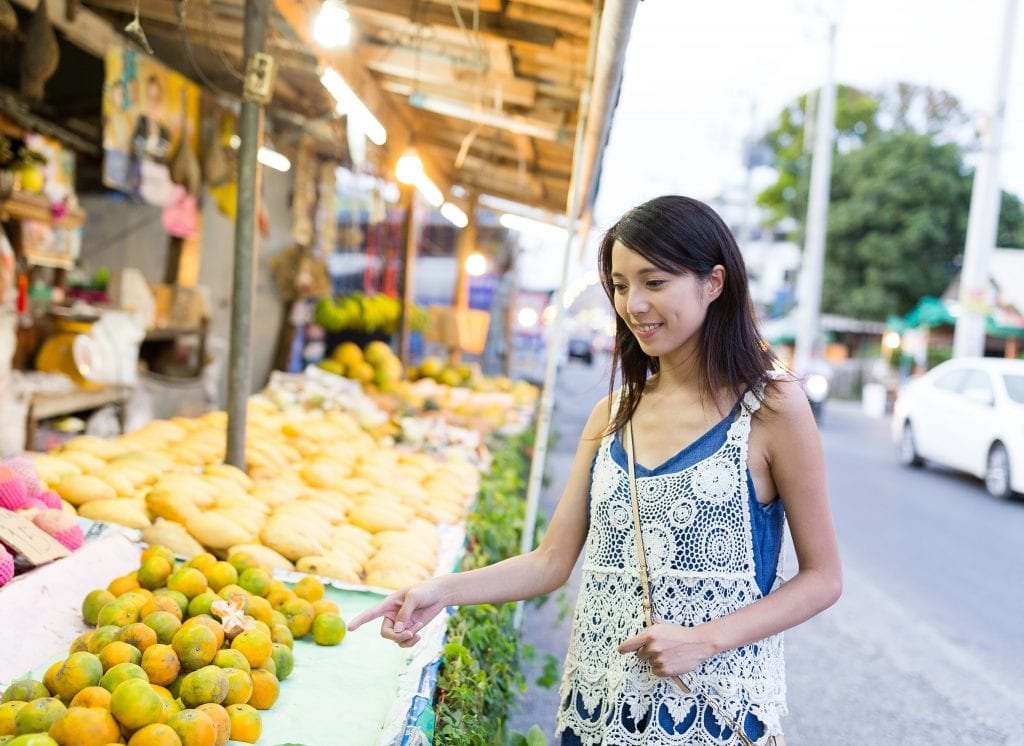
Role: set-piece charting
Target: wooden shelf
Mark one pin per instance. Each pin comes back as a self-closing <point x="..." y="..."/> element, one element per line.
<point x="27" y="206"/>
<point x="44" y="406"/>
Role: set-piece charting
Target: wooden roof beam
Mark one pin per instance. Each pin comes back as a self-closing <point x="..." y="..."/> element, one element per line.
<point x="407" y="63"/>
<point x="492" y="25"/>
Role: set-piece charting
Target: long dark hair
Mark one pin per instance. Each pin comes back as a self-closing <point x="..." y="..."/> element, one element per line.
<point x="680" y="234"/>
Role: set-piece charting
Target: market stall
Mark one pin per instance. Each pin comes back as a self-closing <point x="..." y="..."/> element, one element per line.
<point x="375" y="468"/>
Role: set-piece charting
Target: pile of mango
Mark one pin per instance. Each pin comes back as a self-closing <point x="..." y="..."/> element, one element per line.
<point x="181" y="655"/>
<point x="320" y="494"/>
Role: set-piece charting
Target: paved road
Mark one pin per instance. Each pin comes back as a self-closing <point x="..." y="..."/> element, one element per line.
<point x="925" y="646"/>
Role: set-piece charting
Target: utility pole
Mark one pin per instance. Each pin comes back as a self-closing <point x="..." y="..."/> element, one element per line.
<point x="811" y="270"/>
<point x="256" y="91"/>
<point x="983" y="219"/>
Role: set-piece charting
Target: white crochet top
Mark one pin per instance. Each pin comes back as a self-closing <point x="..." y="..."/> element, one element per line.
<point x="697" y="532"/>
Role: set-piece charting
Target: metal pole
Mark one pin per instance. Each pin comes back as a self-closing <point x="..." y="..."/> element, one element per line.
<point x="409" y="232"/>
<point x="547" y="397"/>
<point x="809" y="288"/>
<point x="251" y="134"/>
<point x="983" y="219"/>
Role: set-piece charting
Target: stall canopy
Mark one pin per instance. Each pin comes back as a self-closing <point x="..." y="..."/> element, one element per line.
<point x="488" y="91"/>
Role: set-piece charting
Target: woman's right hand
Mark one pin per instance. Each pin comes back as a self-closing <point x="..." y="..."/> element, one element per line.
<point x="406" y="612"/>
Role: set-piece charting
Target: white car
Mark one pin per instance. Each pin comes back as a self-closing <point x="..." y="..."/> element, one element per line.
<point x="967" y="414"/>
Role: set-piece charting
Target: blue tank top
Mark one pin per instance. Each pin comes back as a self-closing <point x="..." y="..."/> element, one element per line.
<point x="766" y="521"/>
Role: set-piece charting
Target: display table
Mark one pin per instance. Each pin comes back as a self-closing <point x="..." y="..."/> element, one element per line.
<point x="358" y="693"/>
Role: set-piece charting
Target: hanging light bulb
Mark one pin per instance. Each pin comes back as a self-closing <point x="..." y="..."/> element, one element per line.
<point x="332" y="27"/>
<point x="476" y="264"/>
<point x="409" y="168"/>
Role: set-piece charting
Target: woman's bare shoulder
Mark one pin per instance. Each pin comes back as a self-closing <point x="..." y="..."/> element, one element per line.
<point x="784" y="402"/>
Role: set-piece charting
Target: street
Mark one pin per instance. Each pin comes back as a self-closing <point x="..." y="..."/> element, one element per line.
<point x="925" y="645"/>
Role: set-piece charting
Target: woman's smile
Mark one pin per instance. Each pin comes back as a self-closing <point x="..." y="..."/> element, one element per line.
<point x="645" y="331"/>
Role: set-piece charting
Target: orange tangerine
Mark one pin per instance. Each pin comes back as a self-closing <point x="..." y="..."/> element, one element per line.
<point x="38" y="715"/>
<point x="8" y="713"/>
<point x="121" y="673"/>
<point x="161" y="664"/>
<point x="139" y="635"/>
<point x="220" y="574"/>
<point x="258" y="608"/>
<point x="276" y="617"/>
<point x="201" y="604"/>
<point x="118" y="612"/>
<point x="194" y="728"/>
<point x="246" y="723"/>
<point x="220" y="718"/>
<point x="187" y="580"/>
<point x="280" y="633"/>
<point x="92" y="696"/>
<point x="158" y="550"/>
<point x="239" y="686"/>
<point x="86" y="726"/>
<point x="25" y="690"/>
<point x="195" y="645"/>
<point x="177" y="596"/>
<point x="210" y="623"/>
<point x="328" y="629"/>
<point x="310" y="589"/>
<point x="161" y="603"/>
<point x="123" y="584"/>
<point x="284" y="662"/>
<point x="164" y="624"/>
<point x="202" y="561"/>
<point x="207" y="684"/>
<point x="265" y="689"/>
<point x="324" y="606"/>
<point x="157" y="734"/>
<point x="256" y="580"/>
<point x="81" y="642"/>
<point x="102" y="636"/>
<point x="50" y="677"/>
<point x="300" y="615"/>
<point x="93" y="602"/>
<point x="254" y="645"/>
<point x="231" y="590"/>
<point x="243" y="561"/>
<point x="279" y="596"/>
<point x="118" y="652"/>
<point x="135" y="705"/>
<point x="171" y="705"/>
<point x="269" y="665"/>
<point x="230" y="658"/>
<point x="153" y="572"/>
<point x="76" y="672"/>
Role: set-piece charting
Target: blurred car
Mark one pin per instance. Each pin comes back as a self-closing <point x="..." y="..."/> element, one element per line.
<point x="581" y="348"/>
<point x="967" y="414"/>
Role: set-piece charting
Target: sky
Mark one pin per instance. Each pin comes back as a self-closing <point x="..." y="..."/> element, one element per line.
<point x="701" y="76"/>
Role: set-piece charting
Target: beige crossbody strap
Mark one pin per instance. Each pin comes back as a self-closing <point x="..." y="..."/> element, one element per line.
<point x="641" y="558"/>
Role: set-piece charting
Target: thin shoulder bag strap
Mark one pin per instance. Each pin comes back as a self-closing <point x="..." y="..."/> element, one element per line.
<point x="647" y="601"/>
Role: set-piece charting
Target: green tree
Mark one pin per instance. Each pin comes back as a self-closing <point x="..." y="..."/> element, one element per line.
<point x="897" y="224"/>
<point x="1010" y="234"/>
<point x="856" y="112"/>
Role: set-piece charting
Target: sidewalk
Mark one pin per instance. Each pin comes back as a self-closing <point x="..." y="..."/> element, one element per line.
<point x="579" y="389"/>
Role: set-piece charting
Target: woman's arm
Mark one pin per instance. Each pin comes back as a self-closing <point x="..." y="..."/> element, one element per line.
<point x="527" y="575"/>
<point x="797" y="467"/>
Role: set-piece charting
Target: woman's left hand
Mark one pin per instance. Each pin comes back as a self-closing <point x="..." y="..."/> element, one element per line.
<point x="672" y="650"/>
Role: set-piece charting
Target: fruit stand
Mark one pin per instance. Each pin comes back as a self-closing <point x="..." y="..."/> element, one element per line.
<point x="351" y="490"/>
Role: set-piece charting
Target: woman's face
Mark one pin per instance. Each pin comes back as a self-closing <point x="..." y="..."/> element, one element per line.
<point x="665" y="311"/>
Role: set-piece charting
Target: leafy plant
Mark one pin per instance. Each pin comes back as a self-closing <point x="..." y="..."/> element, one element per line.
<point x="482" y="672"/>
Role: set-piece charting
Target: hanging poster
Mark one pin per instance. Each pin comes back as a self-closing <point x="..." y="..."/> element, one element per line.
<point x="147" y="112"/>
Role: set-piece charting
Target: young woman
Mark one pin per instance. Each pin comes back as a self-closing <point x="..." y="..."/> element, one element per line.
<point x="726" y="451"/>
